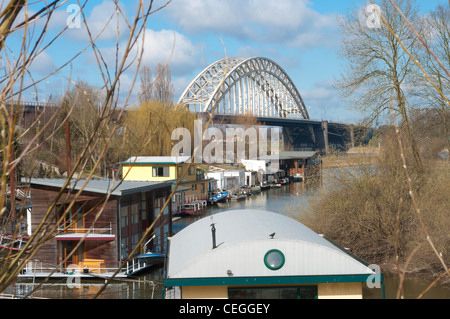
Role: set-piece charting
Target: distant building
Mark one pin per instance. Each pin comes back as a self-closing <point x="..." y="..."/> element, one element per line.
<point x="292" y="164"/>
<point x="227" y="178"/>
<point x="111" y="229"/>
<point x="165" y="168"/>
<point x="259" y="254"/>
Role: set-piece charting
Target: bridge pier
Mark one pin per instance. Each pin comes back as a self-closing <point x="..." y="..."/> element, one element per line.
<point x="288" y="141"/>
<point x="352" y="135"/>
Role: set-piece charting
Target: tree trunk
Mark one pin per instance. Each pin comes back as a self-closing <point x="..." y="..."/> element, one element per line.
<point x="409" y="130"/>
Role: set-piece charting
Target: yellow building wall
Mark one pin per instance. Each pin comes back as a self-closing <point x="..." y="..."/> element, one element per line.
<point x="145" y="173"/>
<point x="324" y="291"/>
<point x="204" y="292"/>
<point x="351" y="290"/>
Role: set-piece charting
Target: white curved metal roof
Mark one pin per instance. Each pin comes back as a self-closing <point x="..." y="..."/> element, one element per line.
<point x="242" y="238"/>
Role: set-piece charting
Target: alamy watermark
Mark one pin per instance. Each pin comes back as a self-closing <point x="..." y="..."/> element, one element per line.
<point x="74" y="278"/>
<point x="374" y="280"/>
<point x="237" y="144"/>
<point x="373" y="16"/>
<point x="73" y="21"/>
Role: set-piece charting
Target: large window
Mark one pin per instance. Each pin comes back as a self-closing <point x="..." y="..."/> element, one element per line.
<point x="298" y="292"/>
<point x="160" y="171"/>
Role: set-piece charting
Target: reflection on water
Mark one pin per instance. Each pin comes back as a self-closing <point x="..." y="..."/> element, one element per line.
<point x="148" y="286"/>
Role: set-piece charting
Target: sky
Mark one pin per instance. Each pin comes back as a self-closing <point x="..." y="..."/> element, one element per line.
<point x="302" y="36"/>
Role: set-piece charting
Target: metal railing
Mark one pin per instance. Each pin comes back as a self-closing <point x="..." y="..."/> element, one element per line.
<point x="135" y="265"/>
<point x="39" y="268"/>
<point x="73" y="227"/>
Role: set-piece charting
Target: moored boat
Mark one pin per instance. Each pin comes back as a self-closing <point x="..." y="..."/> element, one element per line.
<point x="256" y="189"/>
<point x="238" y="196"/>
<point x="265" y="186"/>
<point x="152" y="258"/>
<point x="219" y="197"/>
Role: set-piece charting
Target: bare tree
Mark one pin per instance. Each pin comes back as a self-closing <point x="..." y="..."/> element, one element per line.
<point x="16" y="68"/>
<point x="163" y="90"/>
<point x="159" y="88"/>
<point x="378" y="68"/>
<point x="146" y="93"/>
<point x="436" y="94"/>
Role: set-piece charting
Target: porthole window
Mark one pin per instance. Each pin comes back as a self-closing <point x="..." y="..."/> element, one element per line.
<point x="274" y="259"/>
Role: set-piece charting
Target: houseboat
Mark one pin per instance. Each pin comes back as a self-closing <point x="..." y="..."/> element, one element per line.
<point x="259" y="254"/>
<point x="102" y="221"/>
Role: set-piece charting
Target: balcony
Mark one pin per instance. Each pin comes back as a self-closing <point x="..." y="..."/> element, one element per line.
<point x="89" y="231"/>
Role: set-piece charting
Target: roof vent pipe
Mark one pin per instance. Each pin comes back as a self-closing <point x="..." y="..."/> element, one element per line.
<point x="213" y="231"/>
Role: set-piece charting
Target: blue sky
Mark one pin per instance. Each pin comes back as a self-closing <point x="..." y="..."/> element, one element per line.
<point x="300" y="35"/>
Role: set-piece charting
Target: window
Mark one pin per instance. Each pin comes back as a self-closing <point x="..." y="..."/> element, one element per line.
<point x="134" y="241"/>
<point x="159" y="204"/>
<point x="298" y="292"/>
<point x="124" y="216"/>
<point x="200" y="175"/>
<point x="160" y="171"/>
<point x="274" y="259"/>
<point x="179" y="171"/>
<point x="135" y="214"/>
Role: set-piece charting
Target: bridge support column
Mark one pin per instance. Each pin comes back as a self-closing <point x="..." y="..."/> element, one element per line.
<point x="352" y="136"/>
<point x="325" y="136"/>
<point x="288" y="141"/>
<point x="313" y="135"/>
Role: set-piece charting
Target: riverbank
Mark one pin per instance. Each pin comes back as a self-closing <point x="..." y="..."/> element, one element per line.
<point x="356" y="156"/>
<point x="294" y="199"/>
<point x="369" y="208"/>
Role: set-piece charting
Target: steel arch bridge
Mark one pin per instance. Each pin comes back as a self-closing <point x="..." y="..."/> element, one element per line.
<point x="256" y="86"/>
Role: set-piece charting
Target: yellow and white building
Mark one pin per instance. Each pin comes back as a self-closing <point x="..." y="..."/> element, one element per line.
<point x="164" y="168"/>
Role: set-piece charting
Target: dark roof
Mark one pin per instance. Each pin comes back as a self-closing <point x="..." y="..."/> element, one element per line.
<point x="290" y="155"/>
<point x="116" y="187"/>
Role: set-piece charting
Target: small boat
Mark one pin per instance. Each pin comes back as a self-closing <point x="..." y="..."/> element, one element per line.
<point x="246" y="190"/>
<point x="256" y="189"/>
<point x="152" y="258"/>
<point x="277" y="185"/>
<point x="219" y="197"/>
<point x="265" y="186"/>
<point x="238" y="196"/>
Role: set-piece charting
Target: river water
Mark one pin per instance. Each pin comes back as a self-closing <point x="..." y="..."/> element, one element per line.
<point x="289" y="200"/>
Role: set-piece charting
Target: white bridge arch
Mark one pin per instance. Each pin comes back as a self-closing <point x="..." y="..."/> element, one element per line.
<point x="256" y="86"/>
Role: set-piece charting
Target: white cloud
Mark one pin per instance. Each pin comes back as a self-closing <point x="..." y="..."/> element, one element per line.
<point x="43" y="64"/>
<point x="167" y="46"/>
<point x="102" y="21"/>
<point x="290" y="22"/>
